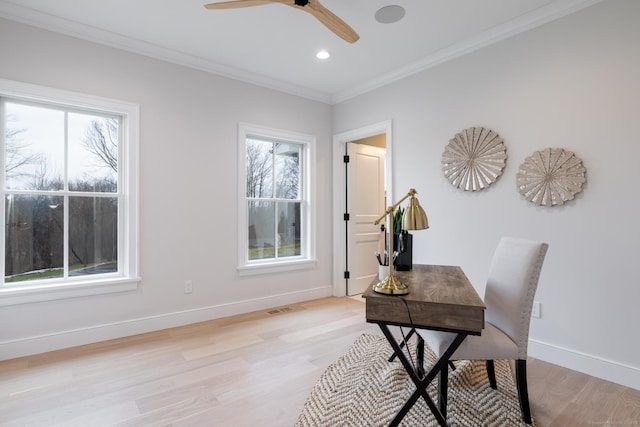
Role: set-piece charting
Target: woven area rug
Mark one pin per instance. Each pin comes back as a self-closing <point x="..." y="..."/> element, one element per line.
<point x="363" y="389"/>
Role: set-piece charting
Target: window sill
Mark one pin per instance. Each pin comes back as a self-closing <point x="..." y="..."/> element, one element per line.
<point x="15" y="295"/>
<point x="276" y="267"/>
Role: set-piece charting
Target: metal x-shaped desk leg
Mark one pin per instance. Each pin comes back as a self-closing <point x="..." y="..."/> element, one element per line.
<point x="421" y="384"/>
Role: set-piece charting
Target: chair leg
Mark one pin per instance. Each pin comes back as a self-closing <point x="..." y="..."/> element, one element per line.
<point x="443" y="384"/>
<point x="420" y="357"/>
<point x="523" y="393"/>
<point x="491" y="373"/>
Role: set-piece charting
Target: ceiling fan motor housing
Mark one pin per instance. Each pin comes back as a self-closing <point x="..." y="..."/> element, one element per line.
<point x="301" y="2"/>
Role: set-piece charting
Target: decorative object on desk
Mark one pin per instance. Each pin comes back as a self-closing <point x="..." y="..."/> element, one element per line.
<point x="397" y="220"/>
<point x="402" y="243"/>
<point x="363" y="389"/>
<point x="551" y="177"/>
<point x="382" y="272"/>
<point x="474" y="159"/>
<point x="403" y="246"/>
<point x="414" y="218"/>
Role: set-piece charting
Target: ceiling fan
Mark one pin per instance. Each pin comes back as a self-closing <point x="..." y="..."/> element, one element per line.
<point x="321" y="13"/>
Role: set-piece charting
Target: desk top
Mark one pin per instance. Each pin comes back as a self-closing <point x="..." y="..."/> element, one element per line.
<point x="440" y="297"/>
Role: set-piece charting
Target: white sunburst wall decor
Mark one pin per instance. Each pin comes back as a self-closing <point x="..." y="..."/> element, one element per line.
<point x="551" y="177"/>
<point x="474" y="159"/>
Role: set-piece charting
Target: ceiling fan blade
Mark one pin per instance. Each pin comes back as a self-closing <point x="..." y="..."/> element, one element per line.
<point x="236" y="4"/>
<point x="321" y="13"/>
<point x="331" y="21"/>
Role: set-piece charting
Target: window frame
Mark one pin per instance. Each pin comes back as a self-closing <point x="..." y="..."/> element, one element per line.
<point x="307" y="259"/>
<point x="127" y="278"/>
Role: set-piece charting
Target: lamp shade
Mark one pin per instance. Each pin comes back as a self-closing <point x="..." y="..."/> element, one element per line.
<point x="414" y="217"/>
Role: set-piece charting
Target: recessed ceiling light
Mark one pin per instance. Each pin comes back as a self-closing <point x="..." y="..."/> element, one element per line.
<point x="323" y="54"/>
<point x="389" y="14"/>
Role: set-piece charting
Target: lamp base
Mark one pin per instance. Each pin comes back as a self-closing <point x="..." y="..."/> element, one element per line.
<point x="391" y="286"/>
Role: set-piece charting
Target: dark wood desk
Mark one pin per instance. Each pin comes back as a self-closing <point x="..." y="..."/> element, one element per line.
<point x="440" y="298"/>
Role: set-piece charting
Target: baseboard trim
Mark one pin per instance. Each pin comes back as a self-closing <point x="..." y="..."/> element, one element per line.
<point x="71" y="338"/>
<point x="598" y="367"/>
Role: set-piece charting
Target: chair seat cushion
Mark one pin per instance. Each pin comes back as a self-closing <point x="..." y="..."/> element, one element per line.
<point x="493" y="344"/>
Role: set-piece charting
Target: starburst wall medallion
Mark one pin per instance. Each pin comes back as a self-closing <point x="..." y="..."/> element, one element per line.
<point x="474" y="159"/>
<point x="551" y="177"/>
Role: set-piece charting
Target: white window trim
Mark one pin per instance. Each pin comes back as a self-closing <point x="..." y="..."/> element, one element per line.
<point x="129" y="279"/>
<point x="308" y="260"/>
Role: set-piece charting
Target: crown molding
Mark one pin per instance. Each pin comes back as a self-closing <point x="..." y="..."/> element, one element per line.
<point x="77" y="30"/>
<point x="511" y="28"/>
<point x="543" y="15"/>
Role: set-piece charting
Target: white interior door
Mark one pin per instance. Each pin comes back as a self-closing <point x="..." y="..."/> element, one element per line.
<point x="366" y="202"/>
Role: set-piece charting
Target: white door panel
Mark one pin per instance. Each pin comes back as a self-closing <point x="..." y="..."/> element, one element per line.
<point x="365" y="190"/>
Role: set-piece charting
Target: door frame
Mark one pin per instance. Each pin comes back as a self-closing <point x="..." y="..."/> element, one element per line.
<point x="339" y="193"/>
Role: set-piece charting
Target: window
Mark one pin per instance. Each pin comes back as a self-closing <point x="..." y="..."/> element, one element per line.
<point x="276" y="213"/>
<point x="69" y="188"/>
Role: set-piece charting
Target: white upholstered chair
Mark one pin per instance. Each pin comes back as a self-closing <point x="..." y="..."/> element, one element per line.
<point x="511" y="286"/>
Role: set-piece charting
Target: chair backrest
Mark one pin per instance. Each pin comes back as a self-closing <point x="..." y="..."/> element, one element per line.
<point x="511" y="287"/>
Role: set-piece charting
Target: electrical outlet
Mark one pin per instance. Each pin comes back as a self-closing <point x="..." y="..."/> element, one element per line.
<point x="535" y="310"/>
<point x="188" y="286"/>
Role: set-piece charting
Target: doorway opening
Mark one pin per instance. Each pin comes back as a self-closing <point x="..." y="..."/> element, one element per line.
<point x="362" y="184"/>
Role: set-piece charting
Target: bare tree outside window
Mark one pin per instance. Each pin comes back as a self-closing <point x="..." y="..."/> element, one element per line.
<point x="259" y="168"/>
<point x="101" y="140"/>
<point x="17" y="153"/>
<point x="287" y="163"/>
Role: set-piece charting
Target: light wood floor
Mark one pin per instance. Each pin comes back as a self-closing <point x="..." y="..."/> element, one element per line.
<point x="254" y="369"/>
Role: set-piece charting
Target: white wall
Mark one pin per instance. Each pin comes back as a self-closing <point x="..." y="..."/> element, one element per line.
<point x="573" y="84"/>
<point x="188" y="174"/>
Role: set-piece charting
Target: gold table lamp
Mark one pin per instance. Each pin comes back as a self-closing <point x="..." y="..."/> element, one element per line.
<point x="414" y="218"/>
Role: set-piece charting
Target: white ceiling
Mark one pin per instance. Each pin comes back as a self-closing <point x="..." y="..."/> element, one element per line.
<point x="275" y="45"/>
